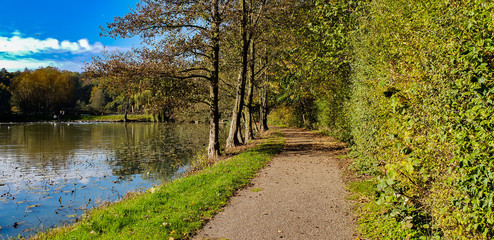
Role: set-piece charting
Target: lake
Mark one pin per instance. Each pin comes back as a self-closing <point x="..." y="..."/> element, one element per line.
<point x="50" y="173"/>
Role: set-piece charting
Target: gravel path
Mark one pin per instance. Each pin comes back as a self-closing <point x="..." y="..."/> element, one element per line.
<point x="299" y="195"/>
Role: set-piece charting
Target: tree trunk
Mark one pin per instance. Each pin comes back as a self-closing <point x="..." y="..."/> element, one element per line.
<point x="263" y="95"/>
<point x="214" y="145"/>
<point x="240" y="136"/>
<point x="249" y="134"/>
<point x="263" y="113"/>
<point x="233" y="140"/>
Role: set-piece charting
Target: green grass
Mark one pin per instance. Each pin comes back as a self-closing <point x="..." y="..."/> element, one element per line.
<point x="373" y="220"/>
<point x="176" y="209"/>
<point x="103" y="118"/>
<point x="112" y="118"/>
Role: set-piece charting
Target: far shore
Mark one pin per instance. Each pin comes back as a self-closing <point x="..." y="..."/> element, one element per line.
<point x="109" y="118"/>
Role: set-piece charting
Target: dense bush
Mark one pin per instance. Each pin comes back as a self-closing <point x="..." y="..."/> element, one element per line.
<point x="410" y="85"/>
<point x="425" y="70"/>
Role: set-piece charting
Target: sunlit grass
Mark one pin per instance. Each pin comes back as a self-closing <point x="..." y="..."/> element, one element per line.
<point x="111" y="118"/>
<point x="373" y="222"/>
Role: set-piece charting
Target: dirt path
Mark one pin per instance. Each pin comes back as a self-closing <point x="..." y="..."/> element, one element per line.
<point x="299" y="195"/>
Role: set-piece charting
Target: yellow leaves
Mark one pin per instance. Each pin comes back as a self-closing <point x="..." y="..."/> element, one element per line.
<point x="3" y="87"/>
<point x="32" y="206"/>
<point x="42" y="89"/>
<point x="408" y="166"/>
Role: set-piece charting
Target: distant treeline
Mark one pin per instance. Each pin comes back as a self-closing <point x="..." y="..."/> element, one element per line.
<point x="47" y="91"/>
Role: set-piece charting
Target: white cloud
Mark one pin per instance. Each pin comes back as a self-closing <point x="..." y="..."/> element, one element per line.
<point x="18" y="52"/>
<point x="84" y="43"/>
<point x="16" y="33"/>
<point x="31" y="63"/>
<point x="71" y="46"/>
<point x="19" y="46"/>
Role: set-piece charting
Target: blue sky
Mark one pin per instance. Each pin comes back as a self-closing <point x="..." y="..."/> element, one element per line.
<point x="59" y="33"/>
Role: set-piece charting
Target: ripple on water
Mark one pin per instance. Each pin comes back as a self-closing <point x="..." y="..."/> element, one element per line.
<point x="50" y="174"/>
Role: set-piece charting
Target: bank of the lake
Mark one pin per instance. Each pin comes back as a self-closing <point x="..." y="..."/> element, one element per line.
<point x="51" y="172"/>
<point x="174" y="210"/>
<point x="113" y="118"/>
<point x="79" y="117"/>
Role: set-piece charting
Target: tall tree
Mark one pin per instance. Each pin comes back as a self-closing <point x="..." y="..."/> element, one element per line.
<point x="234" y="137"/>
<point x="263" y="109"/>
<point x="5" y="79"/>
<point x="260" y="25"/>
<point x="186" y="35"/>
<point x="249" y="133"/>
<point x="141" y="81"/>
<point x="263" y="94"/>
<point x="98" y="101"/>
<point x="254" y="16"/>
<point x="4" y="98"/>
<point x="42" y="91"/>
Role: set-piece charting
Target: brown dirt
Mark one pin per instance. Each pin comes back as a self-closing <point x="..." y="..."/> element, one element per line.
<point x="301" y="194"/>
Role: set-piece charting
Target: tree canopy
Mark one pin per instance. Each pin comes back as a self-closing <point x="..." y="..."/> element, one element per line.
<point x="408" y="84"/>
<point x="45" y="90"/>
<point x="182" y="39"/>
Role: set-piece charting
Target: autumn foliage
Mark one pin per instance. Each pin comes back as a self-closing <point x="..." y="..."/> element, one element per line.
<point x="44" y="90"/>
<point x="409" y="84"/>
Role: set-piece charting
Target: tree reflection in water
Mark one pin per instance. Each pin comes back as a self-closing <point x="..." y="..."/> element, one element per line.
<point x="50" y="173"/>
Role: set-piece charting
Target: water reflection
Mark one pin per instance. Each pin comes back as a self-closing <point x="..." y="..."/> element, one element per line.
<point x="51" y="173"/>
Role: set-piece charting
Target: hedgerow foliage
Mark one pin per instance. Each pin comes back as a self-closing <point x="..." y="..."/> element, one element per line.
<point x="426" y="67"/>
<point x="414" y="86"/>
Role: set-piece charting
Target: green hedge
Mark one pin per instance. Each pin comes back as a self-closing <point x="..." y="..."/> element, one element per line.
<point x="409" y="84"/>
<point x="422" y="107"/>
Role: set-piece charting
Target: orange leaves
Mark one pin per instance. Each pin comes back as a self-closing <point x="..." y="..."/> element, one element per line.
<point x="43" y="90"/>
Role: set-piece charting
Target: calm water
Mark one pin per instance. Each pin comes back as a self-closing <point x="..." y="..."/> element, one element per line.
<point x="50" y="173"/>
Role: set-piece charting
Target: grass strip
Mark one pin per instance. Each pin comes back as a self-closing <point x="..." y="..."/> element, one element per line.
<point x="111" y="118"/>
<point x="174" y="210"/>
<point x="101" y="118"/>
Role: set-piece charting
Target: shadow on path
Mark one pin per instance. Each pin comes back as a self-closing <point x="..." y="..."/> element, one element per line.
<point x="299" y="195"/>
